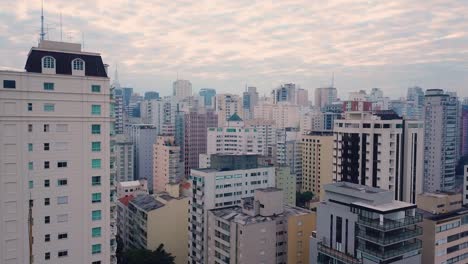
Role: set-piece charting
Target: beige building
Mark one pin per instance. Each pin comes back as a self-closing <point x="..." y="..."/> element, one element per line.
<point x="146" y="221"/>
<point x="445" y="228"/>
<point x="317" y="162"/>
<point x="167" y="167"/>
<point x="284" y="114"/>
<point x="286" y="181"/>
<point x="226" y="106"/>
<point x="261" y="230"/>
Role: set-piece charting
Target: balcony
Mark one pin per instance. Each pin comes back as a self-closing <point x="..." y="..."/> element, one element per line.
<point x="338" y="255"/>
<point x="389" y="224"/>
<point x="384" y="253"/>
<point x="385" y="239"/>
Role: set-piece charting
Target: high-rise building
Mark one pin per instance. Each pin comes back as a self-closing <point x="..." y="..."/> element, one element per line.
<point x="464" y="130"/>
<point x="119" y="112"/>
<point x="441" y="139"/>
<point x="168" y="167"/>
<point x="127" y="94"/>
<point x="151" y="95"/>
<point x="143" y="137"/>
<point x="266" y="130"/>
<point x="55" y="122"/>
<point x="288" y="151"/>
<point x="261" y="230"/>
<point x="249" y="101"/>
<point x="161" y="113"/>
<point x="208" y="95"/>
<point x="124" y="158"/>
<point x="284" y="114"/>
<point x="226" y="106"/>
<point x="415" y="99"/>
<point x="317" y="161"/>
<point x="302" y="97"/>
<point x="286" y="181"/>
<point x="181" y="89"/>
<point x="360" y="224"/>
<point x="284" y="93"/>
<point x="325" y="96"/>
<point x="229" y="179"/>
<point x="380" y="150"/>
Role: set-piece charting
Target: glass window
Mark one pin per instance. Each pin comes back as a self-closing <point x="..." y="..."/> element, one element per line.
<point x="47" y="238"/>
<point x="31" y="184"/>
<point x="78" y="64"/>
<point x="62" y="236"/>
<point x="49" y="107"/>
<point x="96" y="232"/>
<point x="46" y="201"/>
<point x="96" y="198"/>
<point x="47" y="256"/>
<point x="62" y="200"/>
<point x="9" y="84"/>
<point x="62" y="253"/>
<point x="48" y="62"/>
<point x="96" y="248"/>
<point x="46" y="146"/>
<point x="62" y="218"/>
<point x="96" y="129"/>
<point x="30" y="127"/>
<point x="96" y="163"/>
<point x="46" y="183"/>
<point x="62" y="164"/>
<point x="46" y="128"/>
<point x="48" y="86"/>
<point x="96" y="215"/>
<point x="62" y="182"/>
<point x="95" y="109"/>
<point x="96" y="180"/>
<point x="96" y="146"/>
<point x="47" y="219"/>
<point x="30" y="165"/>
<point x="96" y="88"/>
<point x="30" y="108"/>
<point x="46" y="164"/>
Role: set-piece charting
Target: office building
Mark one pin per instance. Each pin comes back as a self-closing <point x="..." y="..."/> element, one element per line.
<point x="442" y="140"/>
<point x="284" y="93"/>
<point x="415" y="100"/>
<point x="55" y="124"/>
<point x="168" y="167"/>
<point x="226" y="106"/>
<point x="119" y="113"/>
<point x="143" y="137"/>
<point x="181" y="89"/>
<point x="249" y="101"/>
<point x="230" y="178"/>
<point x="325" y="96"/>
<point x="302" y="97"/>
<point x="161" y="113"/>
<point x="208" y="95"/>
<point x="464" y="130"/>
<point x="317" y="162"/>
<point x="124" y="159"/>
<point x="127" y="94"/>
<point x="380" y="150"/>
<point x="151" y="95"/>
<point x="445" y="228"/>
<point x="261" y="230"/>
<point x="360" y="224"/>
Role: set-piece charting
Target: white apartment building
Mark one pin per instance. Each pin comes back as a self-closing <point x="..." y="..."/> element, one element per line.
<point x="226" y="106"/>
<point x="234" y="138"/>
<point x="288" y="151"/>
<point x="284" y="114"/>
<point x="168" y="167"/>
<point x="161" y="113"/>
<point x="380" y="150"/>
<point x="55" y="127"/>
<point x="267" y="131"/>
<point x="229" y="179"/>
<point x="124" y="158"/>
<point x="181" y="89"/>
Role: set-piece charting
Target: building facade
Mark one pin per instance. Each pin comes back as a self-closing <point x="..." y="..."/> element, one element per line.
<point x="208" y="95"/>
<point x="226" y="106"/>
<point x="181" y="89"/>
<point x="168" y="167"/>
<point x="124" y="158"/>
<point x="325" y="96"/>
<point x="143" y="137"/>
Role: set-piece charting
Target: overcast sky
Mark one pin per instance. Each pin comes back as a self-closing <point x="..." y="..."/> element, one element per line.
<point x="228" y="44"/>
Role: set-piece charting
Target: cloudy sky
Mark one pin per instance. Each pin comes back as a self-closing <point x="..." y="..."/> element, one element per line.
<point x="228" y="44"/>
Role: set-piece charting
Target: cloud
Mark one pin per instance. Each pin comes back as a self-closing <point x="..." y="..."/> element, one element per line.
<point x="224" y="44"/>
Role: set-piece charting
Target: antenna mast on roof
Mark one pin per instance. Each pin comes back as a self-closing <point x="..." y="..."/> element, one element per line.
<point x="333" y="80"/>
<point x="61" y="26"/>
<point x="42" y="21"/>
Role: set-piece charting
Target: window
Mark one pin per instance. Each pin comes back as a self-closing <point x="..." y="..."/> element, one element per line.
<point x="96" y="88"/>
<point x="62" y="182"/>
<point x="31" y="184"/>
<point x="96" y="198"/>
<point x="9" y="84"/>
<point x="30" y="127"/>
<point x="62" y="164"/>
<point x="46" y="128"/>
<point x="62" y="218"/>
<point x="30" y="107"/>
<point x="96" y="248"/>
<point x="47" y="219"/>
<point x="96" y="129"/>
<point x="46" y="201"/>
<point x="62" y="236"/>
<point x="96" y="146"/>
<point x="95" y="109"/>
<point x="47" y="256"/>
<point x="96" y="163"/>
<point x="96" y="262"/>
<point x="96" y="215"/>
<point x="61" y="128"/>
<point x="96" y="180"/>
<point x="49" y="107"/>
<point x="78" y="64"/>
<point x="30" y="165"/>
<point x="46" y="183"/>
<point x="48" y="86"/>
<point x="96" y="232"/>
<point x="48" y="62"/>
<point x="62" y="253"/>
<point x="47" y="238"/>
<point x="30" y="147"/>
<point x="62" y="200"/>
<point x="46" y="164"/>
<point x="46" y="146"/>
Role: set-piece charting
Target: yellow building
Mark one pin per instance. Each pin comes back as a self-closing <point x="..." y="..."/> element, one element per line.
<point x="317" y="162"/>
<point x="286" y="181"/>
<point x="300" y="227"/>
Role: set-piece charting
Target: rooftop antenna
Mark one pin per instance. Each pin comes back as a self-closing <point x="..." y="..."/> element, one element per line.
<point x="42" y="21"/>
<point x="61" y="40"/>
<point x="333" y="80"/>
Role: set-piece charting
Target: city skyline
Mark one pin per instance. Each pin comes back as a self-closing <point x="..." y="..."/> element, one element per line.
<point x="365" y="44"/>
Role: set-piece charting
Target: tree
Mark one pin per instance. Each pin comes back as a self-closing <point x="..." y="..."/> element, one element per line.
<point x="303" y="198"/>
<point x="144" y="256"/>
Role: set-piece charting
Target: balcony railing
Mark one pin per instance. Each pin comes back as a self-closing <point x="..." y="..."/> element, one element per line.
<point x="336" y="254"/>
<point x="384" y="254"/>
<point x="388" y="239"/>
<point x="389" y="224"/>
